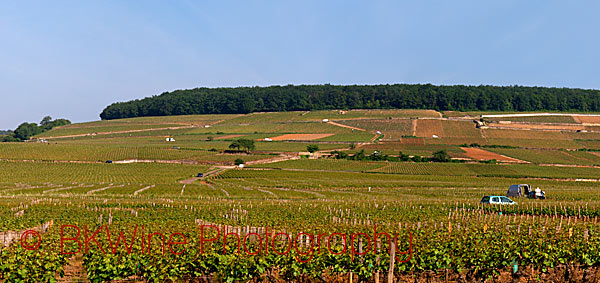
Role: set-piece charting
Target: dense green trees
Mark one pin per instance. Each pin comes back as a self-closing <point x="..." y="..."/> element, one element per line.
<point x="312" y="148"/>
<point x="245" y="144"/>
<point x="28" y="130"/>
<point x="441" y="156"/>
<point x="315" y="97"/>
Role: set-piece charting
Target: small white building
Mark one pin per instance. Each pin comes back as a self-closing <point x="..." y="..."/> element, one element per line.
<point x="325" y="120"/>
<point x="434" y="136"/>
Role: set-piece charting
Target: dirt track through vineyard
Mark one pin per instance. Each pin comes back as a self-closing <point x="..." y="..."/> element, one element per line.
<point x="346" y="126"/>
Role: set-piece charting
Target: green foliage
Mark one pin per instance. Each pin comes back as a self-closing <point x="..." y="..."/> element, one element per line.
<point x="318" y="97"/>
<point x="27" y="130"/>
<point x="441" y="156"/>
<point x="10" y="138"/>
<point x="246" y="144"/>
<point x="403" y="157"/>
<point x="312" y="148"/>
<point x="239" y="161"/>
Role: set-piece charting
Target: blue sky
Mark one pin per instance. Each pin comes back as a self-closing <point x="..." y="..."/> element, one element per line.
<point x="70" y="59"/>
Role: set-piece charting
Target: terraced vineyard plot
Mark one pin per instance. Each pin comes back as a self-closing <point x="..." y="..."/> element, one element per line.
<point x="587" y="119"/>
<point x="325" y="164"/>
<point x="267" y="117"/>
<point x="429" y="128"/>
<point x="356" y="136"/>
<point x="392" y="129"/>
<point x="533" y="143"/>
<point x="540" y="127"/>
<point x="525" y="135"/>
<point x="461" y="129"/>
<point x="537" y="119"/>
<point x="369" y="113"/>
<point x="546" y="156"/>
<point x="300" y="137"/>
<point x="92" y="130"/>
<point x="141" y="123"/>
<point x="454" y="141"/>
<point x="592" y="157"/>
<point x="408" y="168"/>
<point x="68" y="173"/>
<point x="590" y="144"/>
<point x="480" y="154"/>
<point x="393" y="148"/>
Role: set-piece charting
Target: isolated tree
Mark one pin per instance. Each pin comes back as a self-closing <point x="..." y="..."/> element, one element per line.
<point x="239" y="161"/>
<point x="45" y="121"/>
<point x="26" y="131"/>
<point x="312" y="148"/>
<point x="441" y="156"/>
<point x="235" y="145"/>
<point x="246" y="144"/>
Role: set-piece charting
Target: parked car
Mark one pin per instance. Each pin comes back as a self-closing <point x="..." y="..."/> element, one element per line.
<point x="108" y="161"/>
<point x="497" y="200"/>
<point x="518" y="190"/>
<point x="200" y="175"/>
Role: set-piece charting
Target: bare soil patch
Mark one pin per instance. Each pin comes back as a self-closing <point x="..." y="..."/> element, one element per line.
<point x="300" y="137"/>
<point x="418" y="141"/>
<point x="428" y="128"/>
<point x="480" y="154"/>
<point x="587" y="119"/>
<point x="569" y="127"/>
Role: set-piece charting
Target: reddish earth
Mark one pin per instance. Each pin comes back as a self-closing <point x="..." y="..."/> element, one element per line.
<point x="300" y="137"/>
<point x="427" y="128"/>
<point x="561" y="273"/>
<point x="523" y="126"/>
<point x="480" y="154"/>
<point x="418" y="141"/>
<point x="587" y="119"/>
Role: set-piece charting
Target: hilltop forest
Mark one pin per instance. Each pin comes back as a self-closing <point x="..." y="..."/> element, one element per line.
<point x="320" y="97"/>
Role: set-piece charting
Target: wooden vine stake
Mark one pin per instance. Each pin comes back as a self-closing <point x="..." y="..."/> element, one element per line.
<point x="378" y="260"/>
<point x="390" y="278"/>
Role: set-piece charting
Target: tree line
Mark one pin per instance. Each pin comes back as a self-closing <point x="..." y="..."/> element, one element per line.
<point x="28" y="130"/>
<point x="319" y="97"/>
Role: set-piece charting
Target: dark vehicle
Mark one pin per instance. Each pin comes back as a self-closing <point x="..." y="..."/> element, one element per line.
<point x="518" y="190"/>
<point x="200" y="175"/>
<point x="108" y="161"/>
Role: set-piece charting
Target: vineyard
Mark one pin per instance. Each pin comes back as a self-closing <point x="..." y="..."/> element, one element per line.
<point x="299" y="217"/>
